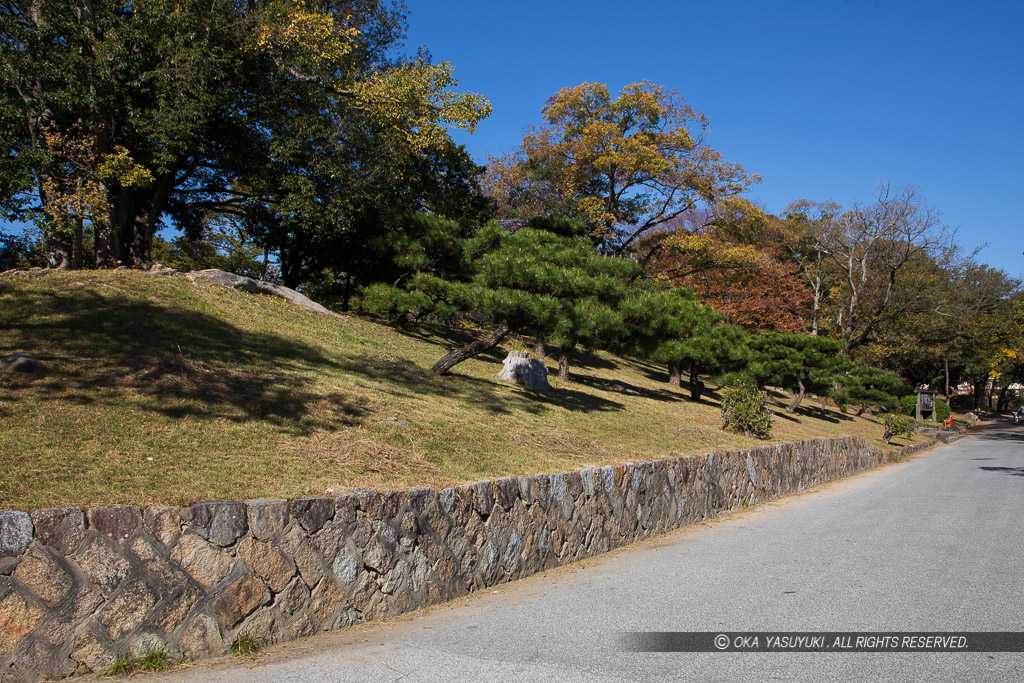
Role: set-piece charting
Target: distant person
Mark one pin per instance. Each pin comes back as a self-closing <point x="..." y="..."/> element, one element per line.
<point x="1018" y="415"/>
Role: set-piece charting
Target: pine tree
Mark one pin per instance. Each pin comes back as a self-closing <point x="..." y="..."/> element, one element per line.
<point x="673" y="327"/>
<point x="796" y="362"/>
<point x="863" y="385"/>
<point x="529" y="281"/>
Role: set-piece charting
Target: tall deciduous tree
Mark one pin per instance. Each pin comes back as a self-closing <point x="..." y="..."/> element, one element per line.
<point x="624" y="166"/>
<point x="138" y="111"/>
<point x="873" y="249"/>
<point x="806" y="223"/>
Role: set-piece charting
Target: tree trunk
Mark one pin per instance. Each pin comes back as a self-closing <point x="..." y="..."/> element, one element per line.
<point x="134" y="217"/>
<point x="696" y="386"/>
<point x="456" y="356"/>
<point x="564" y="363"/>
<point x="59" y="249"/>
<point x="539" y="348"/>
<point x="151" y="208"/>
<point x="122" y="226"/>
<point x="108" y="247"/>
<point x="291" y="276"/>
<point x="798" y="399"/>
<point x="979" y="392"/>
<point x="1001" y="403"/>
<point x="346" y="298"/>
<point x="675" y="373"/>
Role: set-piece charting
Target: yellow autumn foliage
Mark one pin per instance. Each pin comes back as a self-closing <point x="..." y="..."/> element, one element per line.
<point x="119" y="165"/>
<point x="419" y="99"/>
<point x="704" y="251"/>
<point x="416" y="98"/>
<point x="291" y="29"/>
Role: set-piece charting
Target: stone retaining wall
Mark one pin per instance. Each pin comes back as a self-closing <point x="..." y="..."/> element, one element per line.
<point x="79" y="587"/>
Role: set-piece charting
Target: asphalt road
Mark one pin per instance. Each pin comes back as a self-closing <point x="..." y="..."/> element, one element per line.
<point x="932" y="544"/>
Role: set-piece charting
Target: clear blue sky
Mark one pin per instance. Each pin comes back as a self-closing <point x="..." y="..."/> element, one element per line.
<point x="823" y="98"/>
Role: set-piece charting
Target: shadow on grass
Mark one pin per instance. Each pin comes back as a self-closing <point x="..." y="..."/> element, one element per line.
<point x="179" y="362"/>
<point x="784" y="415"/>
<point x="410" y="379"/>
<point x="601" y="384"/>
<point x="823" y="415"/>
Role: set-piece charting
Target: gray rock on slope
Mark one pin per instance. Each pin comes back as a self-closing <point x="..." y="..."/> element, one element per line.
<point x="260" y="287"/>
<point x="529" y="372"/>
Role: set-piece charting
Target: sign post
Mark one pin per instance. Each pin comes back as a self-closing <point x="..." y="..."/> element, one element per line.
<point x="926" y="404"/>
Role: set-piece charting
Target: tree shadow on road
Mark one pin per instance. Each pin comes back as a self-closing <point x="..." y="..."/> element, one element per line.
<point x="1000" y="435"/>
<point x="1012" y="471"/>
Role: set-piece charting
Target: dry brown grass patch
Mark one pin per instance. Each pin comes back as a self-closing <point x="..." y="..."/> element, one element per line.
<point x="362" y="456"/>
<point x="561" y="442"/>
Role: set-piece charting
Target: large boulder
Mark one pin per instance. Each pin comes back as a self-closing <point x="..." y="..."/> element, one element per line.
<point x="531" y="373"/>
<point x="260" y="287"/>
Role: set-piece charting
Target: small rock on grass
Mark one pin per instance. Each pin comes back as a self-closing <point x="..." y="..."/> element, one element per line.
<point x="20" y="362"/>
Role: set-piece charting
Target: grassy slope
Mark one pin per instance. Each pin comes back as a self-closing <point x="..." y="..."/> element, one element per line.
<point x="160" y="389"/>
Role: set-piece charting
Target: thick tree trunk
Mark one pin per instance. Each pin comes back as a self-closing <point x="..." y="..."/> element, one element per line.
<point x="59" y="249"/>
<point x="456" y="356"/>
<point x="696" y="386"/>
<point x="122" y="228"/>
<point x="134" y="218"/>
<point x="142" y="245"/>
<point x="675" y="373"/>
<point x="291" y="269"/>
<point x="152" y="207"/>
<point x="798" y="399"/>
<point x="291" y="277"/>
<point x="564" y="363"/>
<point x="107" y="244"/>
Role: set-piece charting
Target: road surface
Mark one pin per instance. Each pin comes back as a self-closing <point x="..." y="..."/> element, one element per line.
<point x="931" y="544"/>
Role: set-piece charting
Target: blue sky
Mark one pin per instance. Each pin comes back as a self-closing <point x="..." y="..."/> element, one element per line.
<point x="824" y="99"/>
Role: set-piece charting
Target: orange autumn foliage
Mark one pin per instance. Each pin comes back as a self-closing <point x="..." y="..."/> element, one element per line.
<point x="741" y="269"/>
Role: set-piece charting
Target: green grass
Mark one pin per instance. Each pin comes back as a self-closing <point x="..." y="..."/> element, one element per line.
<point x="148" y="660"/>
<point x="159" y="389"/>
<point x="248" y="644"/>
